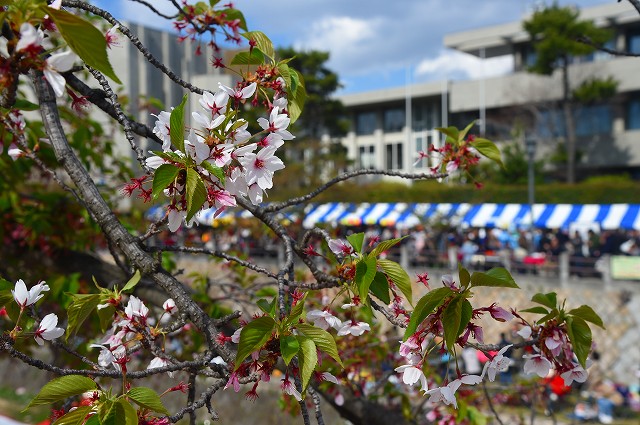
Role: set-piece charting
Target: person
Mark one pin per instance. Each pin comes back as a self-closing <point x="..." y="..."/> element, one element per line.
<point x="471" y="361"/>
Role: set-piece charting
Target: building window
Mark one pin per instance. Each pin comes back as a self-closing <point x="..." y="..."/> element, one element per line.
<point x="366" y="157"/>
<point x="393" y="157"/>
<point x="633" y="41"/>
<point x="592" y="120"/>
<point x="589" y="121"/>
<point x="394" y="120"/>
<point x="365" y="123"/>
<point x="633" y="114"/>
<point x="422" y="145"/>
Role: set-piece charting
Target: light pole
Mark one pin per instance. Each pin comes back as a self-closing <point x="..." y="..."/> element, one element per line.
<point x="530" y="144"/>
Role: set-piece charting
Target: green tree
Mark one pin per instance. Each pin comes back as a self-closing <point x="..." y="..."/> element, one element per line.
<point x="311" y="158"/>
<point x="555" y="33"/>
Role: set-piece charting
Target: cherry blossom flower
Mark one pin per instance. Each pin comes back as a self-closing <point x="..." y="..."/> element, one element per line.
<point x="238" y="135"/>
<point x="412" y="374"/>
<point x="445" y="394"/>
<point x="354" y="328"/>
<point x="271" y="139"/>
<point x="339" y="399"/>
<point x="159" y="362"/>
<point x="241" y="94"/>
<point x="340" y="247"/>
<point x="30" y="37"/>
<point x="288" y="387"/>
<point x="136" y="308"/>
<point x="525" y="332"/>
<point x="277" y="124"/>
<point x="47" y="329"/>
<point x="54" y="65"/>
<point x="207" y="123"/>
<point x="329" y="377"/>
<point x="25" y="298"/>
<point x="323" y="319"/>
<point x="195" y="147"/>
<point x="408" y="346"/>
<point x="15" y="152"/>
<point x="162" y="128"/>
<point x="233" y="382"/>
<point x="447" y="280"/>
<point x="499" y="363"/>
<point x="577" y="374"/>
<point x="500" y="314"/>
<point x="175" y="219"/>
<point x="169" y="306"/>
<point x="111" y="37"/>
<point x="235" y="338"/>
<point x="216" y="104"/>
<point x="537" y="364"/>
<point x="259" y="168"/>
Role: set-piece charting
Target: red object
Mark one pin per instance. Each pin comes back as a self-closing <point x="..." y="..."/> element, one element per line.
<point x="533" y="260"/>
<point x="557" y="386"/>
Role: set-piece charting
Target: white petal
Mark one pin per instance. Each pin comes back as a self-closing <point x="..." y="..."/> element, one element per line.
<point x="56" y="81"/>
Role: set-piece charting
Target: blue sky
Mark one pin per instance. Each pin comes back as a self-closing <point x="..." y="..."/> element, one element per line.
<point x="373" y="44"/>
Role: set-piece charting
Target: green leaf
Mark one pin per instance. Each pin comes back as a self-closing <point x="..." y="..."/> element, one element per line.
<point x="384" y="246"/>
<point x="80" y="308"/>
<point x="496" y="277"/>
<point x="25" y="105"/>
<point x="147" y="399"/>
<point x="253" y="336"/>
<point x="289" y="347"/>
<point x="554" y="313"/>
<point x="425" y="306"/>
<point x="285" y="72"/>
<point x="232" y="14"/>
<point x="296" y="310"/>
<point x="105" y="315"/>
<point x="323" y="340"/>
<point x="465" y="278"/>
<point x="580" y="337"/>
<point x="489" y="149"/>
<point x="465" y="316"/>
<point x="196" y="193"/>
<point x="169" y="156"/>
<point x="548" y="300"/>
<point x="163" y="177"/>
<point x="356" y="240"/>
<point x="62" y="388"/>
<point x="451" y="319"/>
<point x="118" y="412"/>
<point x="463" y="133"/>
<point x="586" y="313"/>
<point x="214" y="170"/>
<point x="267" y="307"/>
<point x="84" y="39"/>
<point x="536" y="310"/>
<point x="176" y="125"/>
<point x="262" y="42"/>
<point x="380" y="287"/>
<point x="400" y="277"/>
<point x="365" y="273"/>
<point x="308" y="359"/>
<point x="132" y="282"/>
<point x="255" y="57"/>
<point x="297" y="96"/>
<point x="451" y="132"/>
<point x="75" y="417"/>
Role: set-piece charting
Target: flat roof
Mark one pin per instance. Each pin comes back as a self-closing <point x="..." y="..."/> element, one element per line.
<point x="498" y="40"/>
<point x="393" y="94"/>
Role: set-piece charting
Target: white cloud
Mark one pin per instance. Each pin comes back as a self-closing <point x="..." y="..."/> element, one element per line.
<point x="350" y="41"/>
<point x="450" y="64"/>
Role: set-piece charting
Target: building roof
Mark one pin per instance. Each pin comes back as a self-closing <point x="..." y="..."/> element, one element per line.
<point x="393" y="94"/>
<point x="498" y="40"/>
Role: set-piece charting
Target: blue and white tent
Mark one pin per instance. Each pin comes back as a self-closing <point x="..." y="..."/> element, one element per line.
<point x="553" y="216"/>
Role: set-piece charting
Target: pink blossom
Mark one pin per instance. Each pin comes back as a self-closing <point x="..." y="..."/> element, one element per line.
<point x="30" y="37"/>
<point x="577" y="374"/>
<point x="340" y="247"/>
<point x="54" y="65"/>
<point x="288" y="387"/>
<point x="323" y="319"/>
<point x="259" y="168"/>
<point x="244" y="93"/>
<point x="25" y="298"/>
<point x="159" y="362"/>
<point x="169" y="306"/>
<point x="525" y="332"/>
<point x="500" y="314"/>
<point x="353" y="328"/>
<point x="233" y="381"/>
<point x="499" y="363"/>
<point x="136" y="308"/>
<point x="47" y="329"/>
<point x="412" y="374"/>
<point x="537" y="364"/>
<point x="277" y="124"/>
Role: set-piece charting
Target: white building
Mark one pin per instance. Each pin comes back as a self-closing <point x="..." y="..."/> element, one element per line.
<point x="389" y="127"/>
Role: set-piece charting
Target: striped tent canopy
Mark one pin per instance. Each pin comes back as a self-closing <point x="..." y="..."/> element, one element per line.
<point x="553" y="216"/>
<point x="208" y="217"/>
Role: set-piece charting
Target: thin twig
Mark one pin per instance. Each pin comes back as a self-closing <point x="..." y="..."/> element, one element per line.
<point x="490" y="403"/>
<point x="156" y="11"/>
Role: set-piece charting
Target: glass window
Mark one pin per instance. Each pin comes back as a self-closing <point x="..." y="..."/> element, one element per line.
<point x="365" y="123"/>
<point x="366" y="157"/>
<point x="393" y="156"/>
<point x="633" y="41"/>
<point x="633" y="114"/>
<point x="592" y="120"/>
<point x="394" y="120"/>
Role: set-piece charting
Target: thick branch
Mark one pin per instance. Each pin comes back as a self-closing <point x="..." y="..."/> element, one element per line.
<point x="109" y="223"/>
